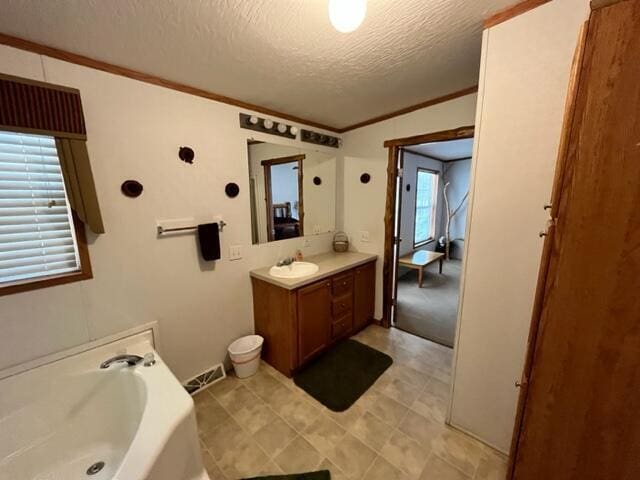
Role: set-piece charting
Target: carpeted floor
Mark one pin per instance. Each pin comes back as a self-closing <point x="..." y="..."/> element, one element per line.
<point x="431" y="311"/>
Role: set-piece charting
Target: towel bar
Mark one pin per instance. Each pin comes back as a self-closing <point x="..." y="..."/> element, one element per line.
<point x="162" y="230"/>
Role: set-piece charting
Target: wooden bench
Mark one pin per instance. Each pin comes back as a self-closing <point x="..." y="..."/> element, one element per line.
<point x="419" y="261"/>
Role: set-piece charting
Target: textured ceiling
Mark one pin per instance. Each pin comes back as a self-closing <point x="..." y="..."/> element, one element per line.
<point x="279" y="54"/>
<point x="451" y="150"/>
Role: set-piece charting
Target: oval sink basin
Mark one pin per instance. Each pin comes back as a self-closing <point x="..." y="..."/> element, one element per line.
<point x="295" y="270"/>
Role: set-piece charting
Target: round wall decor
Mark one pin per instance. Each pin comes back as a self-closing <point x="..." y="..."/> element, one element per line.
<point x="186" y="154"/>
<point x="232" y="190"/>
<point x="365" y="178"/>
<point x="131" y="188"/>
<point x="317" y="180"/>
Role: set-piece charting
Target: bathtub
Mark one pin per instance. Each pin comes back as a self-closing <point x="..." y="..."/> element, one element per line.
<point x="71" y="420"/>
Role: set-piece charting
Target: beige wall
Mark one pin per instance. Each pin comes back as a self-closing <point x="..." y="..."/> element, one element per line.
<point x="523" y="84"/>
<point x="134" y="131"/>
<point x="363" y="151"/>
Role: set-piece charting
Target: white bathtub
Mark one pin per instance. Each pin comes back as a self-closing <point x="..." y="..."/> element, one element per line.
<point x="59" y="419"/>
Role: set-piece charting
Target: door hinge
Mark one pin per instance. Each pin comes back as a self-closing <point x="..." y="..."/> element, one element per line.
<point x="397" y="240"/>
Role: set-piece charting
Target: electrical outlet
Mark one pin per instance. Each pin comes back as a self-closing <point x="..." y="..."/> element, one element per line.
<point x="235" y="252"/>
<point x="316" y="229"/>
<point x="307" y="242"/>
<point x="364" y="236"/>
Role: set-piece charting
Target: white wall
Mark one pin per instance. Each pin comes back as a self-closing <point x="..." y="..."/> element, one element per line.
<point x="411" y="164"/>
<point x="134" y="131"/>
<point x="363" y="151"/>
<point x="523" y="84"/>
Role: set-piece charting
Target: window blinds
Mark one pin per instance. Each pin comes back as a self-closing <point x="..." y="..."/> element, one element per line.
<point x="37" y="237"/>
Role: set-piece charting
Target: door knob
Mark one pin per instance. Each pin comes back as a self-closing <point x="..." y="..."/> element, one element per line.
<point x="548" y="206"/>
<point x="542" y="234"/>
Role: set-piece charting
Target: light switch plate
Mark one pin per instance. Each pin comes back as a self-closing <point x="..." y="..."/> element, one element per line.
<point x="364" y="236"/>
<point x="235" y="252"/>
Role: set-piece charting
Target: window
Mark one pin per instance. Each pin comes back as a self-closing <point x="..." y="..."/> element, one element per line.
<point x="425" y="218"/>
<point x="38" y="239"/>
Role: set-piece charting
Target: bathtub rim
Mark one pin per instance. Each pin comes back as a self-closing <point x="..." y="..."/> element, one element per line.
<point x="150" y="327"/>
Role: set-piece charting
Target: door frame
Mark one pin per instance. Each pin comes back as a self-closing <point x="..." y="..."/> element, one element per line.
<point x="394" y="147"/>
<point x="267" y="164"/>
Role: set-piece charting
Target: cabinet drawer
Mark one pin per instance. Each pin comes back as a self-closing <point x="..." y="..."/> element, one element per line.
<point x="342" y="305"/>
<point x="341" y="326"/>
<point x="343" y="284"/>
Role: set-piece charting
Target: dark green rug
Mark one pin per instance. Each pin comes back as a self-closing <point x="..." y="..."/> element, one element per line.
<point x="340" y="376"/>
<point x="321" y="475"/>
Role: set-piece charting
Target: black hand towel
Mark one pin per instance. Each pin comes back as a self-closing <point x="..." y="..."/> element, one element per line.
<point x="209" y="241"/>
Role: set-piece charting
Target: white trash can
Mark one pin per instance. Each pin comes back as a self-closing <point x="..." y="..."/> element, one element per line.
<point x="245" y="355"/>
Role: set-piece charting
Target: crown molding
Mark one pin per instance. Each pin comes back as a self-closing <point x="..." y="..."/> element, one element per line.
<point x="85" y="61"/>
<point x="70" y="57"/>
<point x="412" y="108"/>
<point x="512" y="11"/>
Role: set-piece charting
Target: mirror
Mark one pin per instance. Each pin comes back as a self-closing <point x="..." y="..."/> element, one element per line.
<point x="287" y="200"/>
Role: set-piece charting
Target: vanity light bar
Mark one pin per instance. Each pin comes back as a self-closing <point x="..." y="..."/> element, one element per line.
<point x="310" y="136"/>
<point x="265" y="125"/>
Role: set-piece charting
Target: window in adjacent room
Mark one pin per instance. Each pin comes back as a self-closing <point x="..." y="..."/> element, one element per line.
<point x="38" y="240"/>
<point x="425" y="217"/>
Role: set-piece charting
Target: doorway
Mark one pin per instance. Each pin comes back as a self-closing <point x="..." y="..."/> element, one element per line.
<point x="427" y="195"/>
<point x="283" y="197"/>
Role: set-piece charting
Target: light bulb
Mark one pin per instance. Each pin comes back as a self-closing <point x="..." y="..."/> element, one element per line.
<point x="253" y="120"/>
<point x="293" y="130"/>
<point x="268" y="124"/>
<point x="347" y="15"/>
<point x="282" y="128"/>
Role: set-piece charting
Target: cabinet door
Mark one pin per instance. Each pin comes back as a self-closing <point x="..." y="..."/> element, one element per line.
<point x="581" y="412"/>
<point x="364" y="295"/>
<point x="314" y="319"/>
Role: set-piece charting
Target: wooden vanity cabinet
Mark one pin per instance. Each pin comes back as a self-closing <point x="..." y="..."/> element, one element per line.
<point x="314" y="308"/>
<point x="364" y="284"/>
<point x="299" y="324"/>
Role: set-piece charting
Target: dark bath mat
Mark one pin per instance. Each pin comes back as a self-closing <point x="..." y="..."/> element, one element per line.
<point x="321" y="475"/>
<point x="340" y="376"/>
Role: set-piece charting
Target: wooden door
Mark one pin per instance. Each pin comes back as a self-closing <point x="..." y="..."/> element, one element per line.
<point x="580" y="418"/>
<point x="364" y="295"/>
<point x="314" y="319"/>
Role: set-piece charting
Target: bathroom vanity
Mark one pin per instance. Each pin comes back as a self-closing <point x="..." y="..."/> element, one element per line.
<point x="300" y="318"/>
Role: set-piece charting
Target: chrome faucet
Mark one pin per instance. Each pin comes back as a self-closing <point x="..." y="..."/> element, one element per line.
<point x="286" y="261"/>
<point x="130" y="360"/>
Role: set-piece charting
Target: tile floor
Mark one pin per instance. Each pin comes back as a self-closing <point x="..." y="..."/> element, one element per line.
<point x="265" y="425"/>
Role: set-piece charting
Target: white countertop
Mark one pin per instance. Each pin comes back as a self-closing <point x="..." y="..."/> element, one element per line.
<point x="329" y="264"/>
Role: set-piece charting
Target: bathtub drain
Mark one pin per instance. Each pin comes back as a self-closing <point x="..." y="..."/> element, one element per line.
<point x="95" y="468"/>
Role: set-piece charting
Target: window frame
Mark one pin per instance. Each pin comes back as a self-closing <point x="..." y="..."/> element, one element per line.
<point x="434" y="207"/>
<point x="85" y="271"/>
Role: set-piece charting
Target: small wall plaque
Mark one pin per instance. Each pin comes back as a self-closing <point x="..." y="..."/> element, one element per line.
<point x="232" y="190"/>
<point x="131" y="188"/>
<point x="186" y="154"/>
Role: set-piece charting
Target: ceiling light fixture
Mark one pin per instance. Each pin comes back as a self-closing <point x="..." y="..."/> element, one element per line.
<point x="347" y="15"/>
